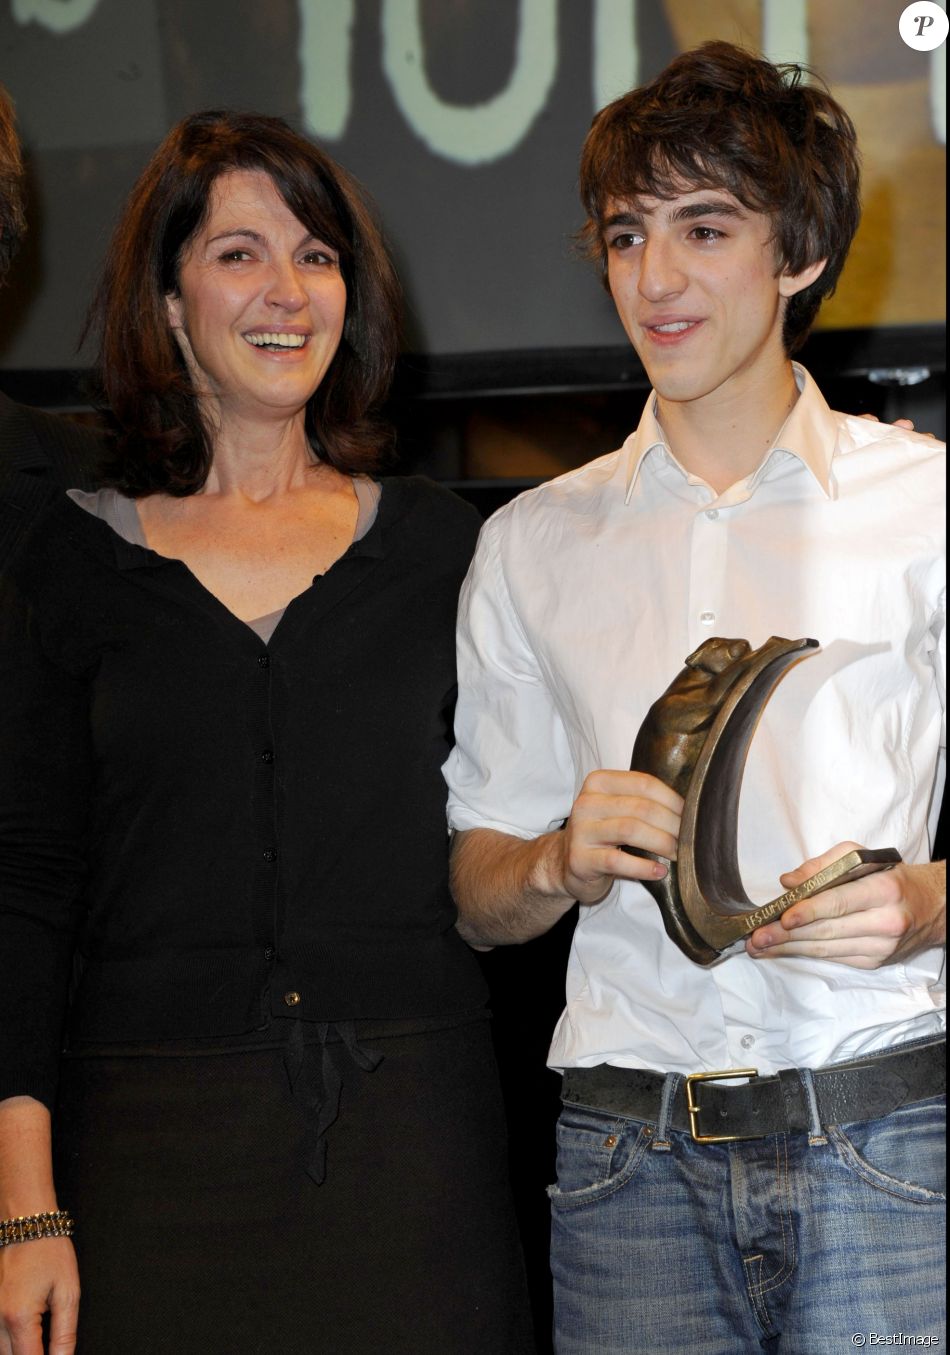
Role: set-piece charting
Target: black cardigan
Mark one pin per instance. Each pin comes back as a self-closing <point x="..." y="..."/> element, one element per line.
<point x="202" y="831"/>
<point x="41" y="454"/>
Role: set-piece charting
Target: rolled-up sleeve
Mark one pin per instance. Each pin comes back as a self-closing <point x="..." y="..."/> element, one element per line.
<point x="511" y="769"/>
<point x="44" y="799"/>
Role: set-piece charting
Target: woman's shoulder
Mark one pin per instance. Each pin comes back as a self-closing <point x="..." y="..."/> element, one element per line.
<point x="61" y="541"/>
<point x="434" y="501"/>
<point x="436" y="527"/>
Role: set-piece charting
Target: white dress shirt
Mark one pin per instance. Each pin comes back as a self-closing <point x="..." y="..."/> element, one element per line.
<point x="583" y="601"/>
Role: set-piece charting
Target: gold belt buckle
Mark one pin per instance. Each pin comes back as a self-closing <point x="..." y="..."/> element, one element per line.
<point x="693" y="1107"/>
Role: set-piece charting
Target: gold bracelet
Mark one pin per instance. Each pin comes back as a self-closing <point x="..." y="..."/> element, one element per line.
<point x="30" y="1227"/>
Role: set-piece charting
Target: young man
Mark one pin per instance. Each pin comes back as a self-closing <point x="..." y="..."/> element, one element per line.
<point x="722" y="200"/>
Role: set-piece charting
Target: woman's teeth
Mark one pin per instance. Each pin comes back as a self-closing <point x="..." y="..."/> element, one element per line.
<point x="269" y="340"/>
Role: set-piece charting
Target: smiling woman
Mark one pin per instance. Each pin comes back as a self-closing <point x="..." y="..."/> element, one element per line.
<point x="259" y="308"/>
<point x="216" y="165"/>
<point x="223" y="850"/>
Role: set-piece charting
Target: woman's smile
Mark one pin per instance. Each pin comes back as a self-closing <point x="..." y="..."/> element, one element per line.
<point x="260" y="304"/>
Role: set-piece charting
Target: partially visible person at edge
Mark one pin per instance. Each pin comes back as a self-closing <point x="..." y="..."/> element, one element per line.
<point x="244" y="1050"/>
<point x="40" y="454"/>
<point x="722" y="199"/>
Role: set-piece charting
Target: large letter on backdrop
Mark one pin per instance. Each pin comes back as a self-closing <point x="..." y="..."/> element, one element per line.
<point x="487" y="131"/>
<point x="616" y="54"/>
<point x="60" y="16"/>
<point x="325" y="27"/>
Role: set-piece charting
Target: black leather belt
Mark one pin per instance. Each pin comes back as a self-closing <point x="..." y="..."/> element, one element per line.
<point x="714" y="1111"/>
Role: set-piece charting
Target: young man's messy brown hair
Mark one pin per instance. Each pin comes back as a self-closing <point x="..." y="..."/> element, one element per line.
<point x="771" y="135"/>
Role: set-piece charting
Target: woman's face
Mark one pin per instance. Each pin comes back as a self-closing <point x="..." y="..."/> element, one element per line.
<point x="260" y="304"/>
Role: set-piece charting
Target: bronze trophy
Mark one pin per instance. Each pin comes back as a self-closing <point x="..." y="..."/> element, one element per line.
<point x="695" y="738"/>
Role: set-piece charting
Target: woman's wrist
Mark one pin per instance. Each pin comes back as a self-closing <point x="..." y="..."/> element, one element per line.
<point x="26" y="1168"/>
<point x="23" y="1204"/>
<point x="34" y="1227"/>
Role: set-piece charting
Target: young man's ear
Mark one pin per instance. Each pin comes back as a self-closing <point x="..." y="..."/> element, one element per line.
<point x="790" y="284"/>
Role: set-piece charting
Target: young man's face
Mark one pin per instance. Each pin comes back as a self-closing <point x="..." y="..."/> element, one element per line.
<point x="699" y="291"/>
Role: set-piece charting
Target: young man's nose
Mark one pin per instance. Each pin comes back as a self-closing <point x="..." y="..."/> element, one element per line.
<point x="661" y="273"/>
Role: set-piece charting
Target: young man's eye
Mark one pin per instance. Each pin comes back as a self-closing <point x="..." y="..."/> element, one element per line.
<point x="706" y="233"/>
<point x="626" y="240"/>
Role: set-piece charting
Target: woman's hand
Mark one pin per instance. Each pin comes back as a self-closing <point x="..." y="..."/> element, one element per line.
<point x="40" y="1275"/>
<point x="36" y="1277"/>
<point x="897" y="423"/>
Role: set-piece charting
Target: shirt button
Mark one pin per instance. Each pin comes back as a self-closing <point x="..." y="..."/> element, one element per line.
<point x="269" y="952"/>
<point x="264" y="660"/>
<point x="270" y="856"/>
<point x="267" y="755"/>
<point x="292" y="999"/>
<point x="747" y="1041"/>
<point x="707" y="618"/>
<point x="712" y="514"/>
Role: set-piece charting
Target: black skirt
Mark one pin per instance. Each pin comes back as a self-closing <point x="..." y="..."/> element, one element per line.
<point x="200" y="1232"/>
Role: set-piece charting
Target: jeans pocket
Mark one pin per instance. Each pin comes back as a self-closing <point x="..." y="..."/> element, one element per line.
<point x="903" y="1154"/>
<point x="596" y="1155"/>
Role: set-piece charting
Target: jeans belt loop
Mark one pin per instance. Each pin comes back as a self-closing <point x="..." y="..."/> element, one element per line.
<point x="816" y="1130"/>
<point x="671" y="1086"/>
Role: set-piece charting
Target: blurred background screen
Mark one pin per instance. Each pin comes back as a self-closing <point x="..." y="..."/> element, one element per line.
<point x="463" y="119"/>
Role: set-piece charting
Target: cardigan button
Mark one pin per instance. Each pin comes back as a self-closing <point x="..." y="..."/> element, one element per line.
<point x="264" y="660"/>
<point x="292" y="999"/>
<point x="269" y="856"/>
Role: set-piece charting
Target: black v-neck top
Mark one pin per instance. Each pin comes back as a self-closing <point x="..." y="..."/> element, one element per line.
<point x="205" y="832"/>
<point x="122" y="516"/>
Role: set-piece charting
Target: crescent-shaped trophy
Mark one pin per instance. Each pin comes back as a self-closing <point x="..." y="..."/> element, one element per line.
<point x="695" y="738"/>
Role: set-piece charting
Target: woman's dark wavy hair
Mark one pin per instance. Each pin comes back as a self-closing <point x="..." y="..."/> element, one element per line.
<point x="163" y="443"/>
<point x="12" y="215"/>
<point x="720" y="117"/>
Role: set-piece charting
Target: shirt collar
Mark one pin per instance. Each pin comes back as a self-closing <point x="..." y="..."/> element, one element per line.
<point x="648" y="438"/>
<point x="809" y="434"/>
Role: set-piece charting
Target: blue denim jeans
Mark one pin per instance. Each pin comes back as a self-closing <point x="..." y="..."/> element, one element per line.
<point x="797" y="1244"/>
